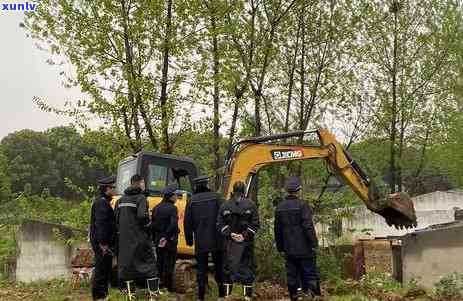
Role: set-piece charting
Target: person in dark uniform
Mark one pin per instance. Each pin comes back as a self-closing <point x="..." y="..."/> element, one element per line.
<point x="103" y="237"/>
<point x="238" y="222"/>
<point x="295" y="236"/>
<point x="136" y="259"/>
<point x="200" y="225"/>
<point x="165" y="235"/>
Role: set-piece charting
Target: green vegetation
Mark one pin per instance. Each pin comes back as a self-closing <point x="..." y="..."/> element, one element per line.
<point x="191" y="77"/>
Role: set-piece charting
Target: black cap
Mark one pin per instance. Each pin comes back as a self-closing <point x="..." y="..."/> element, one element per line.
<point x="169" y="190"/>
<point x="107" y="181"/>
<point x="135" y="178"/>
<point x="201" y="179"/>
<point x="293" y="184"/>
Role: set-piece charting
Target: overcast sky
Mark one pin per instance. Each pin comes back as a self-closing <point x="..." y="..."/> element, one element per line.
<point x="24" y="74"/>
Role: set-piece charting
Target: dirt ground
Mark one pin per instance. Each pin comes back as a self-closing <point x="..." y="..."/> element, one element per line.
<point x="64" y="291"/>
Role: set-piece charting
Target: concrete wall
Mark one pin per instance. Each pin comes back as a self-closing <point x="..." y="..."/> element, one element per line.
<point x="429" y="255"/>
<point x="40" y="256"/>
<point x="432" y="208"/>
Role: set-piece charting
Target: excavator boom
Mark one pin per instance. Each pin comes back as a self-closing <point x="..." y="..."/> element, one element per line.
<point x="253" y="153"/>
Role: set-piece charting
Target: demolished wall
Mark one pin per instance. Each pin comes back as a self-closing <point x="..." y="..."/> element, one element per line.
<point x="40" y="254"/>
<point x="432" y="208"/>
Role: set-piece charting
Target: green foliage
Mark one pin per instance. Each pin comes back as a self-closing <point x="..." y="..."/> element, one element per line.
<point x="450" y="287"/>
<point x="269" y="263"/>
<point x="379" y="282"/>
<point x="329" y="266"/>
<point x="46" y="160"/>
<point x="5" y="181"/>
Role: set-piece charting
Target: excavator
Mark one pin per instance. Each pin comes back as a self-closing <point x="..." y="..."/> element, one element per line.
<point x="248" y="156"/>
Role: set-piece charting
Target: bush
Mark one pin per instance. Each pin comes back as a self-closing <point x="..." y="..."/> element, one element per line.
<point x="329" y="265"/>
<point x="379" y="282"/>
<point x="450" y="287"/>
<point x="269" y="264"/>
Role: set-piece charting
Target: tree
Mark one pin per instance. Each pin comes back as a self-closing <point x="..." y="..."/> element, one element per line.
<point x="51" y="160"/>
<point x="408" y="52"/>
<point x="5" y="181"/>
<point x="253" y="27"/>
<point x="30" y="160"/>
<point x="117" y="48"/>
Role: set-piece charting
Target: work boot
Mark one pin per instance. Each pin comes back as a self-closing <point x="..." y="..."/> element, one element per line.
<point x="221" y="289"/>
<point x="314" y="288"/>
<point x="247" y="292"/>
<point x="294" y="297"/>
<point x="153" y="287"/>
<point x="228" y="289"/>
<point x="201" y="292"/>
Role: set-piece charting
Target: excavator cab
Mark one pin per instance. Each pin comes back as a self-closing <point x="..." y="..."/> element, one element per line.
<point x="160" y="170"/>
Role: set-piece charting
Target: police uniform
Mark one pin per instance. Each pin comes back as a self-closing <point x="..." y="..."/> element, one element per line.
<point x="295" y="236"/>
<point x="238" y="215"/>
<point x="165" y="235"/>
<point x="200" y="226"/>
<point x="136" y="259"/>
<point x="102" y="234"/>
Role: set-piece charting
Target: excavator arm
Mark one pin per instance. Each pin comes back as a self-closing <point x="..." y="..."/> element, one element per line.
<point x="253" y="153"/>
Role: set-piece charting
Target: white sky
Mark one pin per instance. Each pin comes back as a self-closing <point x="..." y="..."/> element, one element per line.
<point x="24" y="74"/>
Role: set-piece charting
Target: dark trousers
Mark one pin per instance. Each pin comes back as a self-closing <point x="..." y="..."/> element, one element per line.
<point x="299" y="272"/>
<point x="202" y="260"/>
<point x="239" y="265"/>
<point x="166" y="266"/>
<point x="102" y="274"/>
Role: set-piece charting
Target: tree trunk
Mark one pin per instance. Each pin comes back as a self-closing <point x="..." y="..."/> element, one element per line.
<point x="130" y="77"/>
<point x="393" y="129"/>
<point x="302" y="83"/>
<point x="144" y="115"/>
<point x="216" y="142"/>
<point x="165" y="143"/>
<point x="291" y="78"/>
<point x="239" y="92"/>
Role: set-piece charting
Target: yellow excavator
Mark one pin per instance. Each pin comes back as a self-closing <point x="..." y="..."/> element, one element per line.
<point x="248" y="156"/>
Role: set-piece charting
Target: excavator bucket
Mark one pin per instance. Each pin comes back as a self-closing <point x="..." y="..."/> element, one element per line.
<point x="398" y="210"/>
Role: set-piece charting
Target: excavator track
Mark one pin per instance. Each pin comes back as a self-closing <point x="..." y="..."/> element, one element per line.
<point x="185" y="276"/>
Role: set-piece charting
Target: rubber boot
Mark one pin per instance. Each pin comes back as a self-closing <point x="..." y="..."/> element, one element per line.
<point x="314" y="287"/>
<point x="201" y="292"/>
<point x="247" y="292"/>
<point x="153" y="287"/>
<point x="293" y="293"/>
<point x="131" y="290"/>
<point x="294" y="297"/>
<point x="170" y="283"/>
<point x="221" y="289"/>
<point x="228" y="289"/>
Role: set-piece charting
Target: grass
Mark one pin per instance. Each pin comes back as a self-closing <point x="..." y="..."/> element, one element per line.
<point x="62" y="290"/>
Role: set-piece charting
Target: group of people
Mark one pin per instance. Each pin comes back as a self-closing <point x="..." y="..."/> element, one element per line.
<point x="146" y="247"/>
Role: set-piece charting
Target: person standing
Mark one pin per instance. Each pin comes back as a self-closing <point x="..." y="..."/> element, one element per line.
<point x="200" y="226"/>
<point x="238" y="222"/>
<point x="165" y="235"/>
<point x="295" y="236"/>
<point x="136" y="259"/>
<point x="103" y="237"/>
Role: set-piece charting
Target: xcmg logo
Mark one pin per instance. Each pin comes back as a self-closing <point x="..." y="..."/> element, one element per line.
<point x="284" y="154"/>
<point x="18" y="6"/>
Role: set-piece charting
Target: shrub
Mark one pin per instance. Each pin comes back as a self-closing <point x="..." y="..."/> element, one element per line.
<point x="450" y="287"/>
<point x="379" y="282"/>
